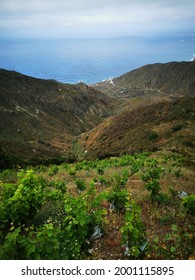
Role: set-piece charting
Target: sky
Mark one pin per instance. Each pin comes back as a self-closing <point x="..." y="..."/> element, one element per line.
<point x="95" y="18"/>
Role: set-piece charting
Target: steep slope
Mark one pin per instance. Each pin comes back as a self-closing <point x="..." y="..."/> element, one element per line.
<point x="168" y="79"/>
<point x="162" y="125"/>
<point x="39" y="117"/>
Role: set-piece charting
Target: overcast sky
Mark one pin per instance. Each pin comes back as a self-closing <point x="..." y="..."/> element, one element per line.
<point x="97" y="18"/>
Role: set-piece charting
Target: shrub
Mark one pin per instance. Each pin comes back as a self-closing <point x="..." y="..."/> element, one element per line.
<point x="119" y="197"/>
<point x="40" y="168"/>
<point x="100" y="170"/>
<point x="53" y="170"/>
<point x="72" y="171"/>
<point x="102" y="180"/>
<point x="177" y="127"/>
<point x="133" y="234"/>
<point x="151" y="176"/>
<point x="154" y="187"/>
<point x="95" y="180"/>
<point x="153" y="135"/>
<point x="80" y="184"/>
<point x="19" y="203"/>
<point x="178" y="173"/>
<point x="189" y="203"/>
<point x="61" y="185"/>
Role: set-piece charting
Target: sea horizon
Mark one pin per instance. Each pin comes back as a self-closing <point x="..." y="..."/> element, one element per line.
<point x="91" y="60"/>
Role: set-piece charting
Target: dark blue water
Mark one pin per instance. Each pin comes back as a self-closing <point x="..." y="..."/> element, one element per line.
<point x="72" y="60"/>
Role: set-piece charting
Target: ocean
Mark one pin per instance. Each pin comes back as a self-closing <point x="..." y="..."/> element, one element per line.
<point x="90" y="60"/>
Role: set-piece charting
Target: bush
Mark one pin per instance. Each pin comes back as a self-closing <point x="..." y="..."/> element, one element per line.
<point x="153" y="135"/>
<point x="119" y="197"/>
<point x="102" y="180"/>
<point x="178" y="173"/>
<point x="133" y="233"/>
<point x="151" y="176"/>
<point x="72" y="171"/>
<point x="53" y="170"/>
<point x="100" y="170"/>
<point x="80" y="184"/>
<point x="177" y="127"/>
<point x="61" y="185"/>
<point x="189" y="204"/>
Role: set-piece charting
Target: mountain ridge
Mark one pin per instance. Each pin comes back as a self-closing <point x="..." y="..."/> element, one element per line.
<point x="169" y="79"/>
<point x="42" y="120"/>
<point x="40" y="117"/>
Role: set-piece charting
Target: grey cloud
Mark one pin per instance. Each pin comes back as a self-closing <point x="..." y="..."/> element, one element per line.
<point x="48" y="16"/>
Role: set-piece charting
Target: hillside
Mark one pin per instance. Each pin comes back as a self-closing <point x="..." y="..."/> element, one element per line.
<point x="148" y="108"/>
<point x="163" y="125"/>
<point x="168" y="79"/>
<point x="108" y="175"/>
<point x="40" y="117"/>
<point x="158" y="112"/>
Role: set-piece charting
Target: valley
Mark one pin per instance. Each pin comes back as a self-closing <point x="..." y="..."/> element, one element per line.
<point x="102" y="171"/>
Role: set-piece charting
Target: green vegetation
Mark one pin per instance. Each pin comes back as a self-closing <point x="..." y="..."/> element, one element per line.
<point x="133" y="233"/>
<point x="57" y="212"/>
<point x="177" y="127"/>
<point x="153" y="135"/>
<point x="189" y="204"/>
<point x="53" y="170"/>
<point x="151" y="177"/>
<point x="80" y="184"/>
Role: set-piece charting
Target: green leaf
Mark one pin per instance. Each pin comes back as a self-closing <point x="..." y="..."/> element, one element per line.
<point x="30" y="248"/>
<point x="168" y="237"/>
<point x="49" y="233"/>
<point x="156" y="239"/>
<point x="174" y="228"/>
<point x="173" y="249"/>
<point x="69" y="227"/>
